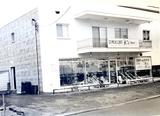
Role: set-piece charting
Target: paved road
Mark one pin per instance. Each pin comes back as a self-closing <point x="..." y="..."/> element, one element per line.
<point x="149" y="107"/>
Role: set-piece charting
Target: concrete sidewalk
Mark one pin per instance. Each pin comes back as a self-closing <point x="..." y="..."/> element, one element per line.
<point x="49" y="104"/>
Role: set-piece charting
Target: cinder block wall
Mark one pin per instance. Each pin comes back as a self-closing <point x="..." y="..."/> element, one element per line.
<point x="21" y="53"/>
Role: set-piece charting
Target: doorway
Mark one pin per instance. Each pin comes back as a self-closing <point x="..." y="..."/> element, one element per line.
<point x="13" y="76"/>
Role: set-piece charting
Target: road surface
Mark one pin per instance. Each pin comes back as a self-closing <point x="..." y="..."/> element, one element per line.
<point x="150" y="107"/>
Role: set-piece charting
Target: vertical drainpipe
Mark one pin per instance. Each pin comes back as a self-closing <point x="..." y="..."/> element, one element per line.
<point x="35" y="24"/>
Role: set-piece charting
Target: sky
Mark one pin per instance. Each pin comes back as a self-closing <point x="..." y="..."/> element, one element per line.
<point x="12" y="9"/>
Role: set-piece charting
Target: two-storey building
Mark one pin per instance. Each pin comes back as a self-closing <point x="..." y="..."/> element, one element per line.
<point x="80" y="43"/>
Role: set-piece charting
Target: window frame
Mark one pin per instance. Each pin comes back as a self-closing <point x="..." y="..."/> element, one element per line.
<point x="144" y="35"/>
<point x="63" y="32"/>
<point x="121" y="33"/>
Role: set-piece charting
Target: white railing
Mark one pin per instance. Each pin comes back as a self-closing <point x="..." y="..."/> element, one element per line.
<point x="114" y="43"/>
<point x="145" y="44"/>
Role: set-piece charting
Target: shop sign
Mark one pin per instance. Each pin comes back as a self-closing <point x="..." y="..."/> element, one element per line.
<point x="123" y="43"/>
<point x="143" y="63"/>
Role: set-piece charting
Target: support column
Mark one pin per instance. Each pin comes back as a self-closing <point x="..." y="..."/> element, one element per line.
<point x="85" y="72"/>
<point x="116" y="71"/>
<point x="109" y="71"/>
<point x="151" y="71"/>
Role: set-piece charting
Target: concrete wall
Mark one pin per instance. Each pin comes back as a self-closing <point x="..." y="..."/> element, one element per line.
<point x="20" y="54"/>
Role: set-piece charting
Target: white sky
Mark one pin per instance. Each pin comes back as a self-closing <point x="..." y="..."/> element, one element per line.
<point x="12" y="9"/>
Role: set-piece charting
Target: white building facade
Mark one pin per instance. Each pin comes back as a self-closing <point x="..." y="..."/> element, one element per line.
<point x="83" y="43"/>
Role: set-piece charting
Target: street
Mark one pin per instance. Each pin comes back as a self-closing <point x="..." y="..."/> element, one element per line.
<point x="69" y="103"/>
<point x="149" y="107"/>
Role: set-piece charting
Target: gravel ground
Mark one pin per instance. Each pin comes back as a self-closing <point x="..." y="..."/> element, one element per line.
<point x="49" y="104"/>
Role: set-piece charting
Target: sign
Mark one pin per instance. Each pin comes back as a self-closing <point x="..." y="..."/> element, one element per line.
<point x="143" y="63"/>
<point x="123" y="43"/>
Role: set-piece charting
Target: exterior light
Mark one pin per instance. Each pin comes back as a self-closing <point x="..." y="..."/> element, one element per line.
<point x="57" y="12"/>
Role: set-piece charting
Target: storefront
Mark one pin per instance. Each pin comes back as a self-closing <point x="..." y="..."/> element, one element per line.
<point x="79" y="71"/>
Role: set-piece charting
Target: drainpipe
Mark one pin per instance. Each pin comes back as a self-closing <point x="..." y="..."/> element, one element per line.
<point x="35" y="24"/>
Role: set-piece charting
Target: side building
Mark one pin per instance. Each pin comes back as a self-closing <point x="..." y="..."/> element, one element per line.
<point x="18" y="53"/>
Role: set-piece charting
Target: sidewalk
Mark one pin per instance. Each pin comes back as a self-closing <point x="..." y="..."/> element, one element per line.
<point x="49" y="104"/>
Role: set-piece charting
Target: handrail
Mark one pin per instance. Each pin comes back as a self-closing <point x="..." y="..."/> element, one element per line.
<point x="103" y="43"/>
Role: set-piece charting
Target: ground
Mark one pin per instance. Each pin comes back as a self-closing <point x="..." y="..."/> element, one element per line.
<point x="55" y="104"/>
<point x="140" y="107"/>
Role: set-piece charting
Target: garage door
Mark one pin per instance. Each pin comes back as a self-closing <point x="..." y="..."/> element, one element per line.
<point x="4" y="80"/>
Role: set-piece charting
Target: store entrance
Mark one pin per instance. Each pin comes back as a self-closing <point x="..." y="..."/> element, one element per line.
<point x="113" y="77"/>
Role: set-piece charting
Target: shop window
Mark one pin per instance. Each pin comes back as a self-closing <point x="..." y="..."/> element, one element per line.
<point x="62" y="31"/>
<point x="71" y="72"/>
<point x="80" y="71"/>
<point x="121" y="33"/>
<point x="146" y="35"/>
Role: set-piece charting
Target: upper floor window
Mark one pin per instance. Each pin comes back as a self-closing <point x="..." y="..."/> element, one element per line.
<point x="121" y="33"/>
<point x="62" y="31"/>
<point x="146" y="35"/>
<point x="99" y="36"/>
<point x="12" y="37"/>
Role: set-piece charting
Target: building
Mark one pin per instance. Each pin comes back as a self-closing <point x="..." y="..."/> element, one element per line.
<point x="79" y="44"/>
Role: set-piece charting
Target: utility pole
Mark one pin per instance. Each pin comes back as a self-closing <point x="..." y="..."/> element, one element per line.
<point x="36" y="27"/>
<point x="4" y="105"/>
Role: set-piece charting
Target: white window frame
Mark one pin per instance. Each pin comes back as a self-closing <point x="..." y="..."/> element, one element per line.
<point x="63" y="32"/>
<point x="120" y="33"/>
<point x="102" y="36"/>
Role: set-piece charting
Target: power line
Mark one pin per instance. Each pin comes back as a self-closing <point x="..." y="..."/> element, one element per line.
<point x="60" y="16"/>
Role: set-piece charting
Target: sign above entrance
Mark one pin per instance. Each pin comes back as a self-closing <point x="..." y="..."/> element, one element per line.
<point x="143" y="63"/>
<point x="123" y="43"/>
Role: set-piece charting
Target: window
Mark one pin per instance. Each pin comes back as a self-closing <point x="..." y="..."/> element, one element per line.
<point x="62" y="31"/>
<point x="121" y="33"/>
<point x="12" y="37"/>
<point x="99" y="36"/>
<point x="146" y="35"/>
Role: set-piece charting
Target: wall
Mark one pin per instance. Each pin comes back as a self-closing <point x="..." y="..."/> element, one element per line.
<point x="155" y="37"/>
<point x="52" y="48"/>
<point x="22" y="53"/>
<point x="133" y="30"/>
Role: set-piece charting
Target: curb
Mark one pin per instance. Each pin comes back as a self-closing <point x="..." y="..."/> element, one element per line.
<point x="110" y="106"/>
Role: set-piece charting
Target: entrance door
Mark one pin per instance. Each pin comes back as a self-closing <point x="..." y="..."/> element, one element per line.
<point x="113" y="77"/>
<point x="13" y="78"/>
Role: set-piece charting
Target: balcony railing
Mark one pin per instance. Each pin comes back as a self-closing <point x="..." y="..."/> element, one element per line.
<point x="145" y="44"/>
<point x="114" y="43"/>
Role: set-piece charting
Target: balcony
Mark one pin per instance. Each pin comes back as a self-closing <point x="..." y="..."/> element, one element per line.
<point x="114" y="45"/>
<point x="112" y="17"/>
<point x="145" y="44"/>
